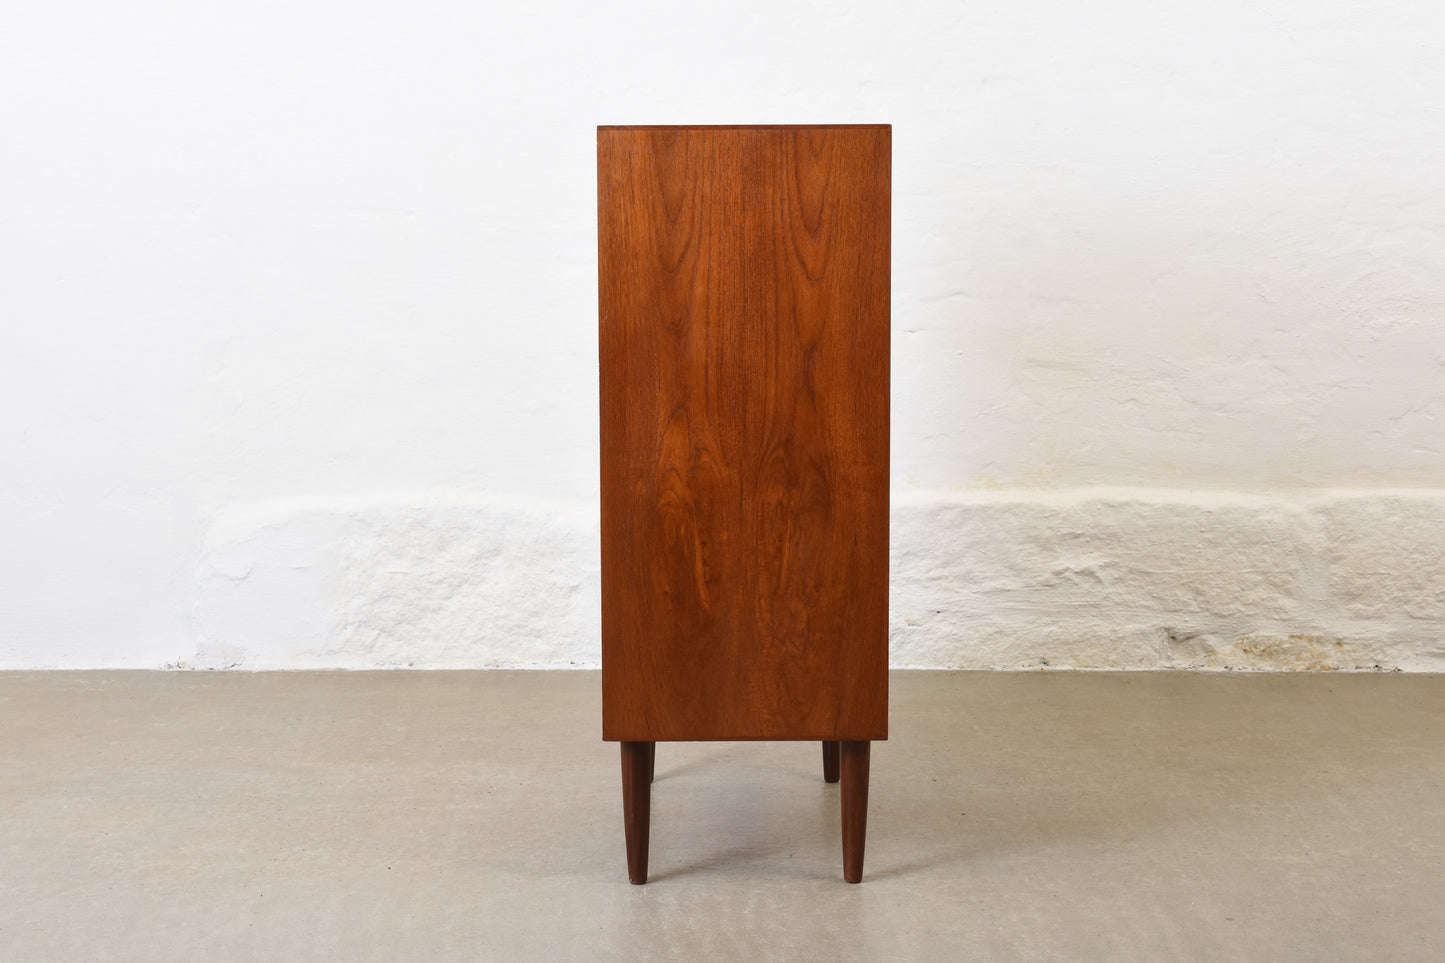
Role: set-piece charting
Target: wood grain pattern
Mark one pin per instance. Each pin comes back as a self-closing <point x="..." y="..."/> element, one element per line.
<point x="744" y="349"/>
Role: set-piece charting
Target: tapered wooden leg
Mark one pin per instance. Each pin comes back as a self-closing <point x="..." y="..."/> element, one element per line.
<point x="651" y="760"/>
<point x="830" y="762"/>
<point x="854" y="759"/>
<point x="637" y="805"/>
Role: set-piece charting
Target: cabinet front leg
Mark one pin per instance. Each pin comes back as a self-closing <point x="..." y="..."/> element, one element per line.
<point x="637" y="805"/>
<point x="854" y="759"/>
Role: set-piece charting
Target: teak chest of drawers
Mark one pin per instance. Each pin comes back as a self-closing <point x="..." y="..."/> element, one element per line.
<point x="744" y="342"/>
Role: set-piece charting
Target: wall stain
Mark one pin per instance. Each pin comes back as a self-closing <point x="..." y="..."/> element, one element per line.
<point x="1310" y="653"/>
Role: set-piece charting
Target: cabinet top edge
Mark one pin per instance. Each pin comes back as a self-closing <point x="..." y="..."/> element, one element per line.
<point x="602" y="127"/>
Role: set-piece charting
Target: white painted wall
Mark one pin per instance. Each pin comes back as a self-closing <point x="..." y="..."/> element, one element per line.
<point x="298" y="304"/>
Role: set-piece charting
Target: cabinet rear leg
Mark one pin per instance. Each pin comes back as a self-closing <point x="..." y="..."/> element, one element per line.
<point x="830" y="762"/>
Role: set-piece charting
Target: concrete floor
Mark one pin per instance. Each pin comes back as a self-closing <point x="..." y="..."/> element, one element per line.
<point x="477" y="816"/>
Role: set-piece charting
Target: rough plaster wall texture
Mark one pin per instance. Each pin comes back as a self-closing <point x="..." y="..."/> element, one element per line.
<point x="342" y="257"/>
<point x="1147" y="578"/>
<point x="451" y="582"/>
<point x="1087" y="578"/>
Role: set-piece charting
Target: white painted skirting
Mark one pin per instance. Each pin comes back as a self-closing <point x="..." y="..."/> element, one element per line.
<point x="1077" y="578"/>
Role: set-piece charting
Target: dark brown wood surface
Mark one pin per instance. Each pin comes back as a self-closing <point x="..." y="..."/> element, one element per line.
<point x="637" y="760"/>
<point x="853" y="761"/>
<point x="830" y="761"/>
<point x="744" y="344"/>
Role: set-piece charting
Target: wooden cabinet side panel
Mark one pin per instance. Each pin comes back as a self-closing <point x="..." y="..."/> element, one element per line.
<point x="744" y="349"/>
